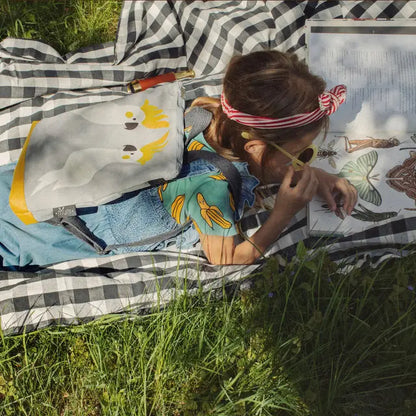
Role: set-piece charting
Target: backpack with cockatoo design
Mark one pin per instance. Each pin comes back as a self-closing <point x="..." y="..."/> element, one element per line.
<point x="94" y="155"/>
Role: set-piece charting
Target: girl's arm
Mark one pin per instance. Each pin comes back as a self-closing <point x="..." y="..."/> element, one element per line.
<point x="222" y="250"/>
<point x="289" y="200"/>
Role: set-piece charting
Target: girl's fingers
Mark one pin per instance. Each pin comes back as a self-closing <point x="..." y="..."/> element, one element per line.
<point x="346" y="193"/>
<point x="310" y="186"/>
<point x="305" y="179"/>
<point x="350" y="197"/>
<point x="287" y="179"/>
<point x="329" y="199"/>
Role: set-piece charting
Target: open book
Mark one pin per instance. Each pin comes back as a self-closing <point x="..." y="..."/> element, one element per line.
<point x="372" y="136"/>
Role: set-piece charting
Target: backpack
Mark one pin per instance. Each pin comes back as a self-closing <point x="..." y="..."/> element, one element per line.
<point x="93" y="155"/>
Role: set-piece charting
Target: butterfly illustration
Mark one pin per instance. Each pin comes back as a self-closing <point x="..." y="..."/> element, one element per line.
<point x="358" y="173"/>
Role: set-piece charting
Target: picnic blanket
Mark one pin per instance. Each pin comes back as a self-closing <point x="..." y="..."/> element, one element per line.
<point x="155" y="38"/>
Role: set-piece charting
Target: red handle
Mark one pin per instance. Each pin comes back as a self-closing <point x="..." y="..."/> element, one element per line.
<point x="150" y="82"/>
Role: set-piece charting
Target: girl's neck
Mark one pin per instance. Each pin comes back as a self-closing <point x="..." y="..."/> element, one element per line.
<point x="255" y="170"/>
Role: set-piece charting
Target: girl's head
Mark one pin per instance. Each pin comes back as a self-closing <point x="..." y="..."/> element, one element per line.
<point x="269" y="84"/>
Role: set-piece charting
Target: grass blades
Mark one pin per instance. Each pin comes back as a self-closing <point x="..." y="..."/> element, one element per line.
<point x="306" y="341"/>
<point x="66" y="25"/>
<point x="352" y="336"/>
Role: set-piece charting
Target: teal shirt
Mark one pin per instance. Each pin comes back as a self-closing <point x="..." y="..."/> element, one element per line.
<point x="205" y="199"/>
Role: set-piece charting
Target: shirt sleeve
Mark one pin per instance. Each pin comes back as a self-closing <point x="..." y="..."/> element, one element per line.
<point x="210" y="206"/>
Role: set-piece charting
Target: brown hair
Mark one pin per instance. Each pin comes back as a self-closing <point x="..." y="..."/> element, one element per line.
<point x="266" y="83"/>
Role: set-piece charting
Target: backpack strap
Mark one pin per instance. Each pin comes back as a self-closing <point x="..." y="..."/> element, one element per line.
<point x="197" y="119"/>
<point x="78" y="228"/>
<point x="224" y="165"/>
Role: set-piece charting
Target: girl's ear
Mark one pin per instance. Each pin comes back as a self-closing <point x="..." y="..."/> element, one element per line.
<point x="255" y="147"/>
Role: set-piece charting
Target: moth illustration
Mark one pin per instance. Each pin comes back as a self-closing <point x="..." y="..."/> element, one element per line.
<point x="359" y="175"/>
<point x="402" y="178"/>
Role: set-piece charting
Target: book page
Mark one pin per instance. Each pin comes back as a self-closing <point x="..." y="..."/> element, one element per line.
<point x="382" y="170"/>
<point x="378" y="69"/>
<point x="372" y="140"/>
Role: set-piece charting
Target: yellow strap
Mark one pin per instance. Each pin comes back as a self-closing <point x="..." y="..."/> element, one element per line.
<point x="17" y="198"/>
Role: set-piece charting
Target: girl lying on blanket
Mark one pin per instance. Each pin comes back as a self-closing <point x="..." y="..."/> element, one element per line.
<point x="270" y="111"/>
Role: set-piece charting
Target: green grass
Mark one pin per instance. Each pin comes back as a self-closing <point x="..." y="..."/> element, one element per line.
<point x="64" y="24"/>
<point x="305" y="341"/>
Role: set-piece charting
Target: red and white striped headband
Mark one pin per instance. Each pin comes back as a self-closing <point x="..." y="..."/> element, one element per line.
<point x="329" y="101"/>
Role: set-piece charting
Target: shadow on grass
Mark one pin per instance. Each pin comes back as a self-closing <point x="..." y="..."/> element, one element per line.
<point x="346" y="342"/>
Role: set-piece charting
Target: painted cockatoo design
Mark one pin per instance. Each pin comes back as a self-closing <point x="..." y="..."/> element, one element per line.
<point x="81" y="165"/>
<point x="147" y="115"/>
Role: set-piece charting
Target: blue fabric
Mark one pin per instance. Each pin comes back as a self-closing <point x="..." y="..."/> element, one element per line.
<point x="36" y="244"/>
<point x="140" y="216"/>
<point x="134" y="217"/>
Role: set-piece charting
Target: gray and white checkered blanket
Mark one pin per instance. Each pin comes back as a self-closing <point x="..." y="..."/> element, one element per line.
<point x="155" y="37"/>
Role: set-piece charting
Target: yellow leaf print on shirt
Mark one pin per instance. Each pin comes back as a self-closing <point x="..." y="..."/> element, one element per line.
<point x="211" y="213"/>
<point x="176" y="207"/>
<point x="195" y="145"/>
<point x="161" y="189"/>
<point x="219" y="177"/>
<point x="196" y="227"/>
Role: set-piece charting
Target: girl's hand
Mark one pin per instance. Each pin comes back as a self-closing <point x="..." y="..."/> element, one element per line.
<point x="291" y="199"/>
<point x="335" y="190"/>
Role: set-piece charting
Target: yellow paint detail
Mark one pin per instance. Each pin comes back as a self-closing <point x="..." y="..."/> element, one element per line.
<point x="129" y="114"/>
<point x="212" y="213"/>
<point x="17" y="198"/>
<point x="125" y="157"/>
<point x="153" y="116"/>
<point x="176" y="207"/>
<point x="201" y="201"/>
<point x="161" y="189"/>
<point x="195" y="145"/>
<point x="150" y="149"/>
<point x="219" y="177"/>
<point x="196" y="227"/>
